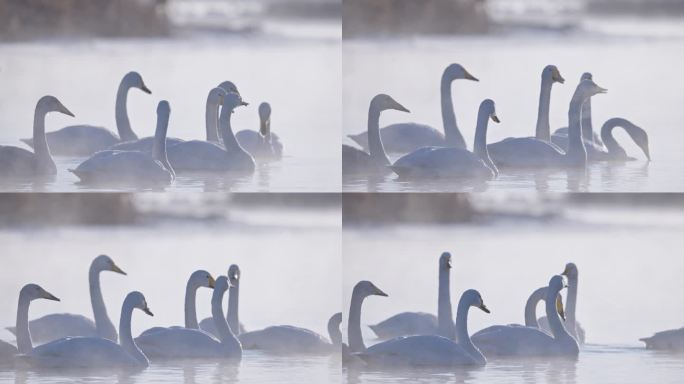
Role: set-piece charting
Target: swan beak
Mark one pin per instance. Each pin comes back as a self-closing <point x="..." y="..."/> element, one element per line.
<point x="468" y="76"/>
<point x="484" y="308"/>
<point x="559" y="307"/>
<point x="379" y="292"/>
<point x="565" y="272"/>
<point x="50" y="296"/>
<point x="115" y="268"/>
<point x="212" y="282"/>
<point x="400" y="107"/>
<point x="147" y="311"/>
<point x="495" y="118"/>
<point x="449" y="263"/>
<point x="244" y="103"/>
<point x="66" y="111"/>
<point x="602" y="90"/>
<point x="646" y="152"/>
<point x="145" y="89"/>
<point x="558" y="78"/>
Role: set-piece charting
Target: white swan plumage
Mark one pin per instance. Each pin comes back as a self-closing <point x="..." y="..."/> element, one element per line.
<point x="528" y="341"/>
<point x="205" y="156"/>
<point x="407" y="137"/>
<point x="357" y="161"/>
<point x="418" y="350"/>
<point x="420" y="323"/>
<point x="570" y="321"/>
<point x="452" y="162"/>
<point x="112" y="166"/>
<point x="18" y="162"/>
<point x="615" y="151"/>
<point x="60" y="325"/>
<point x="232" y="314"/>
<point x="262" y="144"/>
<point x="95" y="352"/>
<point x="27" y="294"/>
<point x="188" y="343"/>
<point x="671" y="340"/>
<point x="84" y="140"/>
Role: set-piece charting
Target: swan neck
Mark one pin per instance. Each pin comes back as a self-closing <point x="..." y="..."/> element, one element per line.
<point x="229" y="141"/>
<point x="24" y="343"/>
<point x="577" y="153"/>
<point x="462" y="331"/>
<point x="40" y="145"/>
<point x="211" y="118"/>
<point x="531" y="307"/>
<point x="587" y="128"/>
<point x="123" y="125"/>
<point x="225" y="335"/>
<point x="159" y="145"/>
<point x="103" y="324"/>
<point x="190" y="305"/>
<point x="125" y="335"/>
<point x="543" y="127"/>
<point x="265" y="128"/>
<point x="480" y="145"/>
<point x="445" y="318"/>
<point x="452" y="135"/>
<point x="334" y="333"/>
<point x="557" y="329"/>
<point x="570" y="319"/>
<point x="375" y="147"/>
<point x="607" y="137"/>
<point x="354" y="326"/>
<point x="232" y="315"/>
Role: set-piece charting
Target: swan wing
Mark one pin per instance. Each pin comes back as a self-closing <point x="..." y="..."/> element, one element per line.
<point x="207" y="325"/>
<point x="425" y="350"/>
<point x="59" y="325"/>
<point x="178" y="342"/>
<point x="442" y="162"/>
<point x="285" y="338"/>
<point x="107" y="166"/>
<point x="525" y="152"/>
<point x="515" y="341"/>
<point x="406" y="324"/>
<point x="403" y="137"/>
<point x="143" y="145"/>
<point x="81" y="352"/>
<point x="203" y="156"/>
<point x="15" y="161"/>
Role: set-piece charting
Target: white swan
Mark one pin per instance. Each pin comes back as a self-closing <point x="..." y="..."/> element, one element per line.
<point x="263" y="144"/>
<point x="232" y="316"/>
<point x="671" y="340"/>
<point x="84" y="140"/>
<point x="592" y="141"/>
<point x="59" y="325"/>
<point x="615" y="150"/>
<point x="28" y="293"/>
<point x="204" y="156"/>
<point x="95" y="352"/>
<point x="187" y="343"/>
<point x="502" y="151"/>
<point x="356" y="161"/>
<point x="535" y="153"/>
<point x="197" y="280"/>
<point x="527" y="341"/>
<point x="419" y="350"/>
<point x="419" y="323"/>
<point x="111" y="166"/>
<point x="407" y="137"/>
<point x="18" y="162"/>
<point x="451" y="162"/>
<point x="571" y="324"/>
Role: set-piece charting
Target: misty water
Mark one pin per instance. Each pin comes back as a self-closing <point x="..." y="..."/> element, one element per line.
<point x="293" y="66"/>
<point x="634" y="59"/>
<point x="628" y="262"/>
<point x="290" y="261"/>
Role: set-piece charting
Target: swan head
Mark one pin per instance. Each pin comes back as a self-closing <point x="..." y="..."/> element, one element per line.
<point x="488" y="108"/>
<point x="384" y="102"/>
<point x="587" y="76"/>
<point x="134" y="80"/>
<point x="335" y="320"/>
<point x="265" y="111"/>
<point x="365" y="288"/>
<point x="233" y="100"/>
<point x="201" y="278"/>
<point x="105" y="263"/>
<point x="217" y="94"/>
<point x="456" y="71"/>
<point x="552" y="73"/>
<point x="234" y="275"/>
<point x="222" y="284"/>
<point x="473" y="298"/>
<point x="163" y="108"/>
<point x="588" y="88"/>
<point x="35" y="291"/>
<point x="137" y="300"/>
<point x="557" y="283"/>
<point x="445" y="261"/>
<point x="570" y="270"/>
<point x="52" y="104"/>
<point x="639" y="136"/>
<point x="228" y="86"/>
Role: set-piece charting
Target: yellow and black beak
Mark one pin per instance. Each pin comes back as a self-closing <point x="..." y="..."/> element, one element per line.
<point x="147" y="311"/>
<point x="379" y="292"/>
<point x="244" y="103"/>
<point x="468" y="76"/>
<point x="145" y="89"/>
<point x="212" y="282"/>
<point x="559" y="307"/>
<point x="50" y="296"/>
<point x="115" y="268"/>
<point x="484" y="308"/>
<point x="495" y="118"/>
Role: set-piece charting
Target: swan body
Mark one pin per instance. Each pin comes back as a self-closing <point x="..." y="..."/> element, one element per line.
<point x="232" y="314"/>
<point x="189" y="343"/>
<point x="525" y="151"/>
<point x="571" y="323"/>
<point x="145" y="144"/>
<point x="671" y="340"/>
<point x="84" y="140"/>
<point x="452" y="162"/>
<point x="285" y="338"/>
<point x="421" y="350"/>
<point x="408" y="137"/>
<point x="112" y="166"/>
<point x="420" y="323"/>
<point x="205" y="156"/>
<point x="60" y="325"/>
<point x="357" y="161"/>
<point x="18" y="162"/>
<point x="528" y="341"/>
<point x="536" y="153"/>
<point x="95" y="352"/>
<point x="7" y="353"/>
<point x="263" y="144"/>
